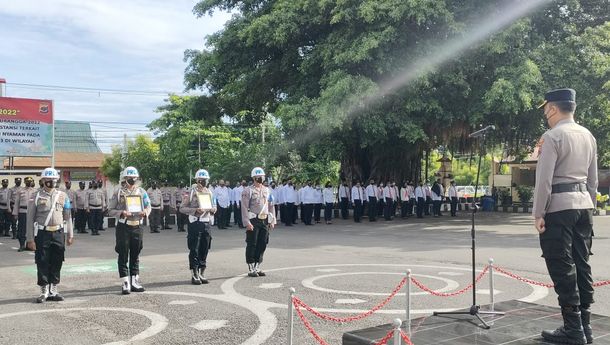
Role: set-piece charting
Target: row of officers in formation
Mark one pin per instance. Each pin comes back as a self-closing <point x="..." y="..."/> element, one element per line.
<point x="46" y="223"/>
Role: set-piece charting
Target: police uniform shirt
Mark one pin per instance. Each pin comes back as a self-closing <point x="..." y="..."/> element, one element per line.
<point x="568" y="154"/>
<point x="253" y="200"/>
<point x="21" y="202"/>
<point x="14" y="192"/>
<point x="81" y="198"/>
<point x="167" y="196"/>
<point x="190" y="204"/>
<point x="95" y="200"/>
<point x="178" y="195"/>
<point x="5" y="198"/>
<point x="43" y="202"/>
<point x="371" y="191"/>
<point x="117" y="204"/>
<point x="156" y="198"/>
<point x="71" y="196"/>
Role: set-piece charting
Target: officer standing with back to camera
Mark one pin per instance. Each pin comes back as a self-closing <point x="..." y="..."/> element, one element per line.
<point x="5" y="209"/>
<point x="168" y="197"/>
<point x="72" y="197"/>
<point x="181" y="218"/>
<point x="200" y="219"/>
<point x="257" y="212"/>
<point x="20" y="210"/>
<point x="49" y="222"/>
<point x="156" y="207"/>
<point x="564" y="199"/>
<point x="128" y="231"/>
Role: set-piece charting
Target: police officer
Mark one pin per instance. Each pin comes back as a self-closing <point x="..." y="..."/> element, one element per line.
<point x="371" y="196"/>
<point x="564" y="199"/>
<point x="257" y="213"/>
<point x="72" y="196"/>
<point x="20" y="210"/>
<point x="48" y="221"/>
<point x="181" y="218"/>
<point x="81" y="210"/>
<point x="5" y="209"/>
<point x="156" y="204"/>
<point x="128" y="230"/>
<point x="199" y="235"/>
<point x="100" y="187"/>
<point x="94" y="204"/>
<point x="168" y="197"/>
<point x="14" y="192"/>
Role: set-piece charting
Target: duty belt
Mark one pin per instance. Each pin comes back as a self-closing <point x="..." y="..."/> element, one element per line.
<point x="569" y="187"/>
<point x="133" y="222"/>
<point x="94" y="205"/>
<point x="153" y="205"/>
<point x="2" y="204"/>
<point x="51" y="228"/>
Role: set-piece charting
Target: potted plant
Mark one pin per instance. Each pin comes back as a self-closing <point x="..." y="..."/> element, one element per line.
<point x="602" y="202"/>
<point x="525" y="195"/>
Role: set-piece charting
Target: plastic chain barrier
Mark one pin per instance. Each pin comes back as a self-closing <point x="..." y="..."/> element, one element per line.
<point x="319" y="339"/>
<point x="529" y="281"/>
<point x="299" y="302"/>
<point x="449" y="294"/>
<point x="405" y="338"/>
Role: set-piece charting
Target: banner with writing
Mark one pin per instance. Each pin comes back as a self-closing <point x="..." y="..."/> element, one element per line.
<point x="26" y="127"/>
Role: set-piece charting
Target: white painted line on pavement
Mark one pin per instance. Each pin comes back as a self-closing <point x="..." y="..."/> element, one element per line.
<point x="349" y="301"/>
<point x="310" y="283"/>
<point x="487" y="292"/>
<point x="158" y="321"/>
<point x="182" y="302"/>
<point x="328" y="270"/>
<point x="452" y="274"/>
<point x="270" y="286"/>
<point x="14" y="248"/>
<point x="206" y="325"/>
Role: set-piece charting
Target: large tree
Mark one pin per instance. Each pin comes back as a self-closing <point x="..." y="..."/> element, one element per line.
<point x="327" y="70"/>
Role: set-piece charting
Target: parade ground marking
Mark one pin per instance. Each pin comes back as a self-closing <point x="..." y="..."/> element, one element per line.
<point x="207" y="325"/>
<point x="106" y="266"/>
<point x="158" y="322"/>
<point x="185" y="302"/>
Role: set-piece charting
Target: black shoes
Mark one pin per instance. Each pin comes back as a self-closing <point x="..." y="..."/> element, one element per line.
<point x="585" y="317"/>
<point x="195" y="280"/>
<point x="202" y="277"/>
<point x="571" y="332"/>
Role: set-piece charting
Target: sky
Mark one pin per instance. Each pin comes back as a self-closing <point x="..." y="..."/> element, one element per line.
<point x="101" y="44"/>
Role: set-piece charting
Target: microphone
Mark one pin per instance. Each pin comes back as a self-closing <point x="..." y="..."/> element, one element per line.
<point x="482" y="132"/>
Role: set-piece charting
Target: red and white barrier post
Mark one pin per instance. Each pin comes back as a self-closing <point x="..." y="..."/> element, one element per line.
<point x="291" y="291"/>
<point x="397" y="338"/>
<point x="491" y="284"/>
<point x="408" y="296"/>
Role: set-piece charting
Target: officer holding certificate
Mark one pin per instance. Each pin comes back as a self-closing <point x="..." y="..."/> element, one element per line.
<point x="129" y="205"/>
<point x="199" y="204"/>
<point x="257" y="213"/>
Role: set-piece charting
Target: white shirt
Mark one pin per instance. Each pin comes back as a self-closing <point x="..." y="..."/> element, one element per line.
<point x="222" y="196"/>
<point x="290" y="194"/>
<point x="419" y="192"/>
<point x="237" y="194"/>
<point x="357" y="193"/>
<point x="310" y="195"/>
<point x="427" y="190"/>
<point x="344" y="191"/>
<point x="371" y="191"/>
<point x="411" y="192"/>
<point x="395" y="188"/>
<point x="388" y="192"/>
<point x="329" y="195"/>
<point x="404" y="193"/>
<point x="452" y="192"/>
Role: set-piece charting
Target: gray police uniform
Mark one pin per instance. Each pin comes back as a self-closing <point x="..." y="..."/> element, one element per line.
<point x="181" y="218"/>
<point x="565" y="194"/>
<point x="5" y="214"/>
<point x="156" y="204"/>
<point x="20" y="211"/>
<point x="128" y="230"/>
<point x="14" y="192"/>
<point x="95" y="204"/>
<point x="199" y="237"/>
<point x="168" y="197"/>
<point x="48" y="220"/>
<point x="256" y="206"/>
<point x="81" y="210"/>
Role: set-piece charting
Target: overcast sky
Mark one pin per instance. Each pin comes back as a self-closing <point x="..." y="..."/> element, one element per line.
<point x="105" y="44"/>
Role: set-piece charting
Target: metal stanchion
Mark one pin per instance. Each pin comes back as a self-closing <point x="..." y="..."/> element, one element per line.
<point x="491" y="284"/>
<point x="408" y="309"/>
<point x="290" y="316"/>
<point x="397" y="339"/>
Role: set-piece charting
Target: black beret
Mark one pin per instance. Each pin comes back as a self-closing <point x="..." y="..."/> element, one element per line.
<point x="28" y="179"/>
<point x="559" y="95"/>
<point x="17" y="179"/>
<point x="5" y="180"/>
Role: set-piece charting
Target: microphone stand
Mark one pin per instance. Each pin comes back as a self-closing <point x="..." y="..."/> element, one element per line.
<point x="475" y="310"/>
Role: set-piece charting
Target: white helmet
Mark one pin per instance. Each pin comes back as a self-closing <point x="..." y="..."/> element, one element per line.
<point x="202" y="174"/>
<point x="50" y="173"/>
<point x="257" y="172"/>
<point x="131" y="172"/>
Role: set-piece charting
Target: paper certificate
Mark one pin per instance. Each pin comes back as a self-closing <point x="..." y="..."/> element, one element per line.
<point x="205" y="200"/>
<point x="134" y="203"/>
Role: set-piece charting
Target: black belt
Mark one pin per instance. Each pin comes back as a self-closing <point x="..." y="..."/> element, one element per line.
<point x="94" y="205"/>
<point x="155" y="205"/>
<point x="2" y="204"/>
<point x="23" y="207"/>
<point x="569" y="187"/>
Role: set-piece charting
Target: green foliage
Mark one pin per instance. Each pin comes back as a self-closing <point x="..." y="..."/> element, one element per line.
<point x="141" y="153"/>
<point x="525" y="193"/>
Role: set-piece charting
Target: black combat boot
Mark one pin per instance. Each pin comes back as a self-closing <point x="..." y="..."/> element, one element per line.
<point x="585" y="317"/>
<point x="202" y="277"/>
<point x="571" y="332"/>
<point x="195" y="280"/>
<point x="252" y="271"/>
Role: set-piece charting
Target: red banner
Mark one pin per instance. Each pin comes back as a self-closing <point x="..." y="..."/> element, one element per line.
<point x="26" y="109"/>
<point x="26" y="127"/>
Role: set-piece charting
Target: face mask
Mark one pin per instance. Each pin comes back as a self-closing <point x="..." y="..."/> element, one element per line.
<point x="244" y="184"/>
<point x="202" y="183"/>
<point x="94" y="186"/>
<point x="82" y="187"/>
<point x="327" y="186"/>
<point x="258" y="179"/>
<point x="154" y="187"/>
<point x="17" y="184"/>
<point x="4" y="185"/>
<point x="131" y="181"/>
<point x="49" y="184"/>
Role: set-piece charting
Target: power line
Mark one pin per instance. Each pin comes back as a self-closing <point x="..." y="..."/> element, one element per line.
<point x="90" y="89"/>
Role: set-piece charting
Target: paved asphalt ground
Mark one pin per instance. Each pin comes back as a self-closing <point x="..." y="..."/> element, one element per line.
<point x="342" y="269"/>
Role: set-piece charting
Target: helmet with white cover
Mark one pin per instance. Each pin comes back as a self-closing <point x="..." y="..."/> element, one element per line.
<point x="258" y="171"/>
<point x="131" y="172"/>
<point x="50" y="173"/>
<point x="202" y="174"/>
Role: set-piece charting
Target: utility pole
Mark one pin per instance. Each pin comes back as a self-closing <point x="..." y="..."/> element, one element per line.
<point x="2" y="83"/>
